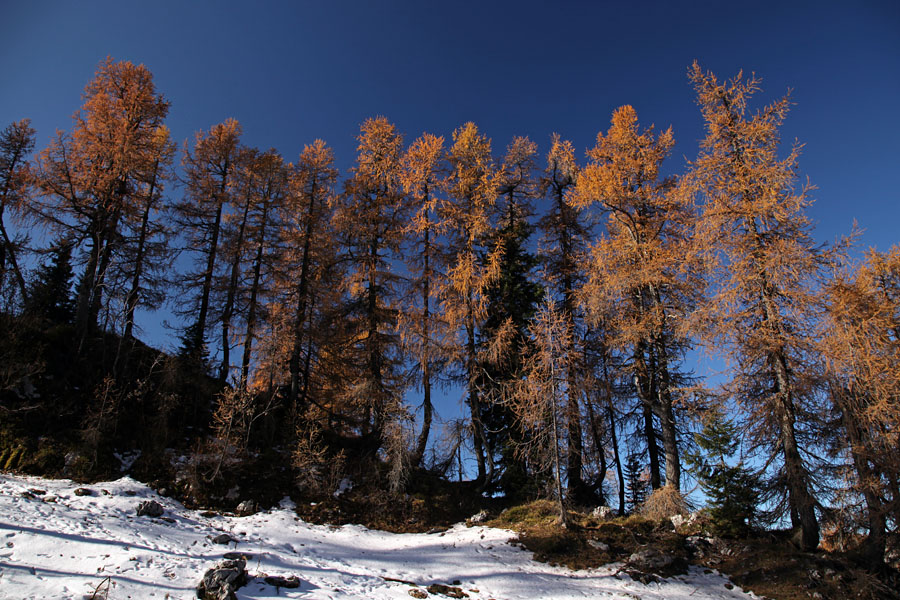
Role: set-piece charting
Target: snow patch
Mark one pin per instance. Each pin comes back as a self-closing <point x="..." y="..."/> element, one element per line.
<point x="68" y="548"/>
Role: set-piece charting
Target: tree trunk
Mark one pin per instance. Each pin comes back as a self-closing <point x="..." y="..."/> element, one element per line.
<point x="200" y="328"/>
<point x="231" y="292"/>
<point x="800" y="499"/>
<point x="620" y="476"/>
<point x="131" y="300"/>
<point x="473" y="402"/>
<point x="666" y="414"/>
<point x="378" y="393"/>
<point x="427" y="408"/>
<point x="299" y="317"/>
<point x="597" y="436"/>
<point x="254" y="295"/>
<point x="876" y="541"/>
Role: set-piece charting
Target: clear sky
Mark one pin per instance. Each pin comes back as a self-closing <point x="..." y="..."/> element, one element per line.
<point x="295" y="71"/>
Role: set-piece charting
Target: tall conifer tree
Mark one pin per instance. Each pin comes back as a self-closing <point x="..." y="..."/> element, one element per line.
<point x="766" y="266"/>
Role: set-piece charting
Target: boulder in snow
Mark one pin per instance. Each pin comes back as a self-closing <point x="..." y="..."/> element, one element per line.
<point x="446" y="590"/>
<point x="480" y="517"/>
<point x="223" y="538"/>
<point x="650" y="560"/>
<point x="221" y="581"/>
<point x="246" y="508"/>
<point x="150" y="508"/>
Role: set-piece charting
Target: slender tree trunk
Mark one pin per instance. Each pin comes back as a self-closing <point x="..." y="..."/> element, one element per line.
<point x="554" y="428"/>
<point x="800" y="498"/>
<point x="478" y="439"/>
<point x="666" y="414"/>
<point x="617" y="458"/>
<point x="427" y="408"/>
<point x="299" y="318"/>
<point x="645" y="386"/>
<point x="86" y="289"/>
<point x="131" y="300"/>
<point x="252" y="304"/>
<point x="652" y="448"/>
<point x="307" y="366"/>
<point x="200" y="328"/>
<point x="597" y="436"/>
<point x="206" y="289"/>
<point x="876" y="541"/>
<point x="378" y="393"/>
<point x="231" y="292"/>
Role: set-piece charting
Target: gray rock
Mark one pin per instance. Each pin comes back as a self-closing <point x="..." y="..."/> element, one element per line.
<point x="479" y="517"/>
<point x="650" y="559"/>
<point x="598" y="545"/>
<point x="223" y="538"/>
<point x="286" y="582"/>
<point x="246" y="508"/>
<point x="221" y="581"/>
<point x="603" y="513"/>
<point x="83" y="492"/>
<point x="150" y="508"/>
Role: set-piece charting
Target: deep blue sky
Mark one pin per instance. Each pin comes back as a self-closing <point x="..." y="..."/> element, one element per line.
<point x="295" y="71"/>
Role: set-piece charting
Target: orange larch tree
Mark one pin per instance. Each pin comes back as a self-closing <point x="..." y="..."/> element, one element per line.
<point x="765" y="270"/>
<point x="562" y="251"/>
<point x="861" y="342"/>
<point x="310" y="197"/>
<point x="89" y="178"/>
<point x="423" y="327"/>
<point x="209" y="174"/>
<point x="468" y="211"/>
<point x="16" y="144"/>
<point x="641" y="270"/>
<point x="369" y="221"/>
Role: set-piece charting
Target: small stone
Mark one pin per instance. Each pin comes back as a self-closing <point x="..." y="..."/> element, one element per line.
<point x="209" y="514"/>
<point x="286" y="582"/>
<point x="598" y="545"/>
<point x="729" y="586"/>
<point x="223" y="538"/>
<point x="37" y="492"/>
<point x="446" y="590"/>
<point x="244" y="556"/>
<point x="417" y="593"/>
<point x="83" y="492"/>
<point x="150" y="508"/>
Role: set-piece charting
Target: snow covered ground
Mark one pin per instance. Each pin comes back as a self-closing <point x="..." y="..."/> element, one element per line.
<point x="59" y="545"/>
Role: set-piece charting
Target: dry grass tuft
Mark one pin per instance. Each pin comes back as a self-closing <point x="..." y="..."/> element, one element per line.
<point x="664" y="503"/>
